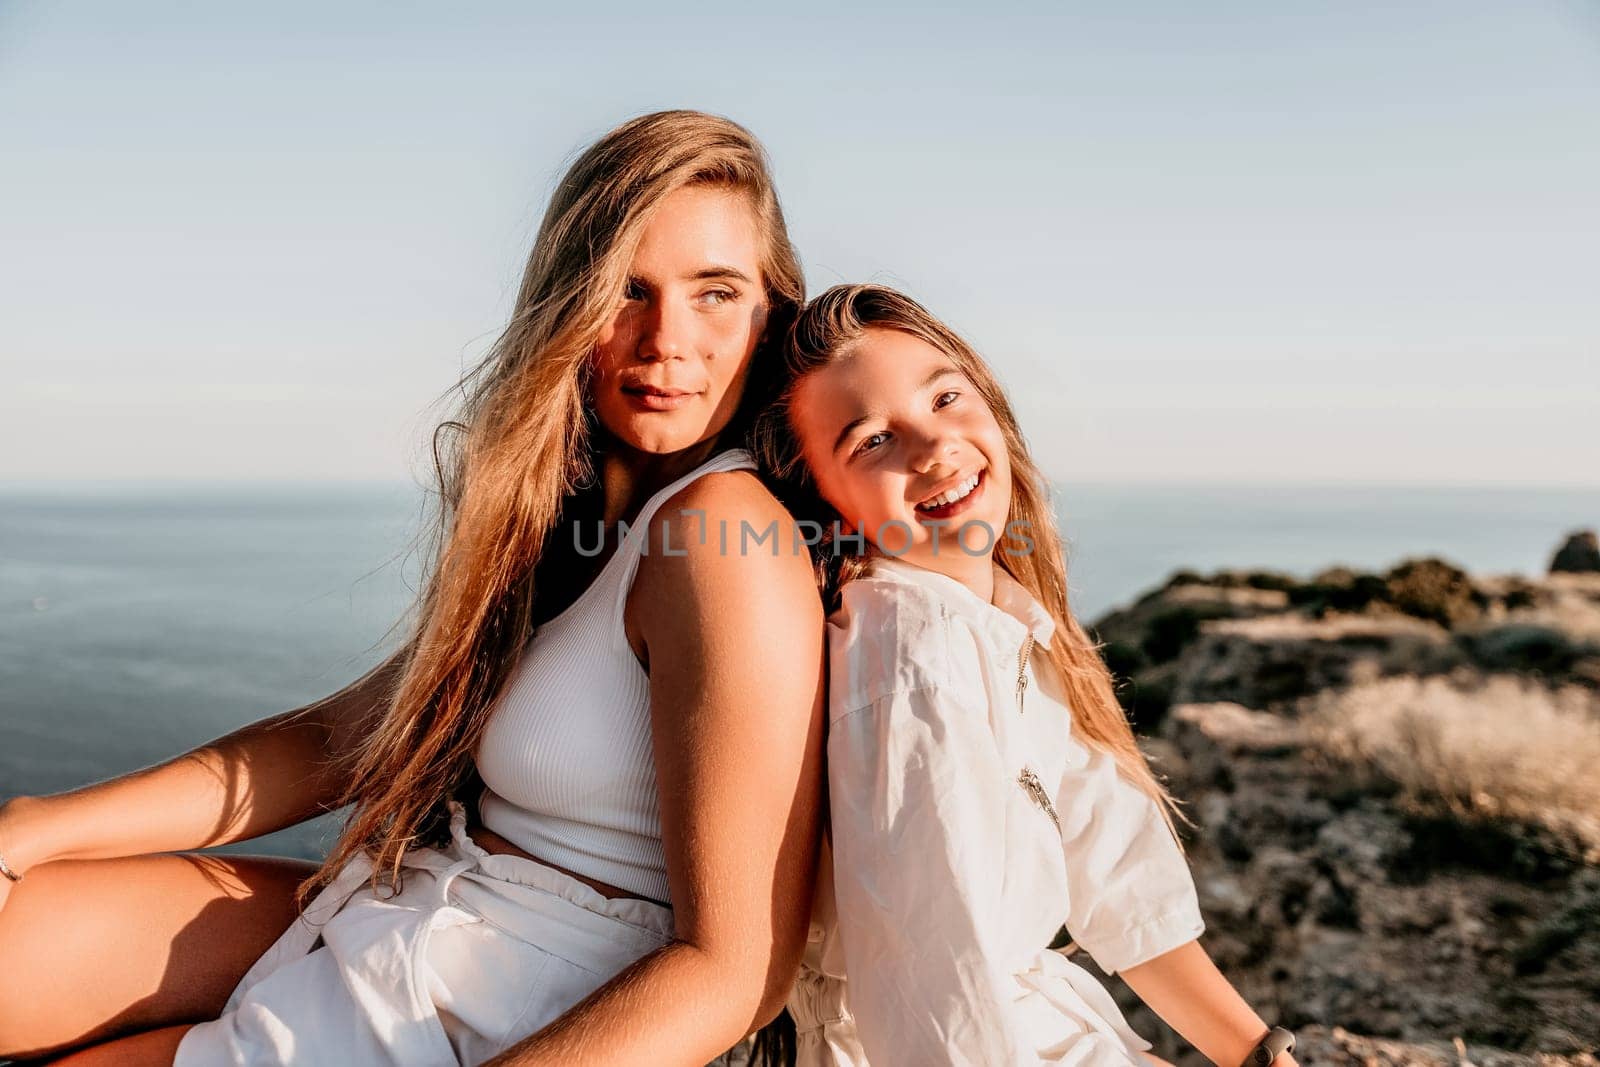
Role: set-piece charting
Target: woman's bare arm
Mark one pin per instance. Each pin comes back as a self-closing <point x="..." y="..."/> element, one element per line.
<point x="263" y="777"/>
<point x="736" y="678"/>
<point x="1185" y="988"/>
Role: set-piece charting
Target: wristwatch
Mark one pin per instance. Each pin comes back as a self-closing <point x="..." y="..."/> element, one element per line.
<point x="1273" y="1043"/>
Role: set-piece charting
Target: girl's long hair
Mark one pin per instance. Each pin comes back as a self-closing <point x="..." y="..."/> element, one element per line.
<point x="517" y="451"/>
<point x="828" y="329"/>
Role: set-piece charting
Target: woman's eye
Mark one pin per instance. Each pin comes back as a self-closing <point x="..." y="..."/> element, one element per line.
<point x="870" y="442"/>
<point x="945" y="399"/>
<point x="633" y="291"/>
<point x="718" y="297"/>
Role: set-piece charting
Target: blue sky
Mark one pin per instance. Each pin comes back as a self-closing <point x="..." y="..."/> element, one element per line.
<point x="1225" y="242"/>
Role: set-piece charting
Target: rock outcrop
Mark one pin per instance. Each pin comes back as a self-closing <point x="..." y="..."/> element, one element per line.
<point x="1267" y="640"/>
<point x="1396" y="846"/>
<point x="1579" y="554"/>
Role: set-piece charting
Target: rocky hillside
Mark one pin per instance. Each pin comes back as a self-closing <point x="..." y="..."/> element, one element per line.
<point x="1395" y="781"/>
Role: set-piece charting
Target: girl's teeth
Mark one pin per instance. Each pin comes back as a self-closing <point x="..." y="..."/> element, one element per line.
<point x="951" y="496"/>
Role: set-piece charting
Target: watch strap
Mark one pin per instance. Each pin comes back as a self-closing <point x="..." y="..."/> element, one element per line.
<point x="1273" y="1043"/>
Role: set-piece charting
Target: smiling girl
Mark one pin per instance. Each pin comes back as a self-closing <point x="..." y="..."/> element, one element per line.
<point x="985" y="786"/>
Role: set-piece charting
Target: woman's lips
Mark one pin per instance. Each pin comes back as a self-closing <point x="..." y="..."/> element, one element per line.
<point x="649" y="398"/>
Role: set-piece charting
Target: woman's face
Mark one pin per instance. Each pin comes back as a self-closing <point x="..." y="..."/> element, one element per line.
<point x="670" y="366"/>
<point x="904" y="447"/>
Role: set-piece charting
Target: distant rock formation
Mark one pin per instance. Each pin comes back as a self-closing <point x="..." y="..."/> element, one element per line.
<point x="1266" y="639"/>
<point x="1398" y="848"/>
<point x="1580" y="554"/>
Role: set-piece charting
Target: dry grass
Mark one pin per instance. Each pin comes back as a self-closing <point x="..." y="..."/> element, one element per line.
<point x="1498" y="746"/>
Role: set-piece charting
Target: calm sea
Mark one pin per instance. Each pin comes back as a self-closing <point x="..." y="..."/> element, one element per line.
<point x="137" y="624"/>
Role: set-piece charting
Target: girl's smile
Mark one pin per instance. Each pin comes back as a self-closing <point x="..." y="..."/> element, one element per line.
<point x="895" y="435"/>
<point x="964" y="495"/>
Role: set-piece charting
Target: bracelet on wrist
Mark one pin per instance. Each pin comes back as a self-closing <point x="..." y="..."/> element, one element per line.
<point x="1274" y="1043"/>
<point x="5" y="869"/>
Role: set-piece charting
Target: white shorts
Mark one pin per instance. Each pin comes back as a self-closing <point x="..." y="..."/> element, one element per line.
<point x="475" y="953"/>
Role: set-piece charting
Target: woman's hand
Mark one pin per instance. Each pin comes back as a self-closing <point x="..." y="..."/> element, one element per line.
<point x="263" y="777"/>
<point x="13" y="842"/>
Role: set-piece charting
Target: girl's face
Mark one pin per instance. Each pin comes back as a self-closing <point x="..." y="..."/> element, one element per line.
<point x="669" y="367"/>
<point x="906" y="450"/>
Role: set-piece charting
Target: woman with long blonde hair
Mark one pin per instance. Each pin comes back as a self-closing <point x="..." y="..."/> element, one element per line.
<point x="584" y="791"/>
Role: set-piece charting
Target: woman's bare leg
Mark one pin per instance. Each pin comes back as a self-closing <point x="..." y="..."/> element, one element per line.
<point x="99" y="949"/>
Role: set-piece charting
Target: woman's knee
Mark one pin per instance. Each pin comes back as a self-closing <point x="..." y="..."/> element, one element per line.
<point x="36" y="934"/>
<point x="98" y="948"/>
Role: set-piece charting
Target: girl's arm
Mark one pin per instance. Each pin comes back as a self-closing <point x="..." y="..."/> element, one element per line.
<point x="736" y="683"/>
<point x="1185" y="988"/>
<point x="1130" y="894"/>
<point x="1134" y="907"/>
<point x="263" y="777"/>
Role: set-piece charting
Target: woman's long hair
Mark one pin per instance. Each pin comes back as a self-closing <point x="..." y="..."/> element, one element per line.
<point x="827" y="330"/>
<point x="516" y="452"/>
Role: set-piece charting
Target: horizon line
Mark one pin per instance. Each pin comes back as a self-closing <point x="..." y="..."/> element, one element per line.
<point x="8" y="485"/>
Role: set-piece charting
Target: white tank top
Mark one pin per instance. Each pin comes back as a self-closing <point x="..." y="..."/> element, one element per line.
<point x="566" y="757"/>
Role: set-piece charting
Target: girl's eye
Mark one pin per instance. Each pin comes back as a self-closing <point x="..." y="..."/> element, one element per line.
<point x="945" y="399"/>
<point x="718" y="297"/>
<point x="870" y="442"/>
<point x="633" y="291"/>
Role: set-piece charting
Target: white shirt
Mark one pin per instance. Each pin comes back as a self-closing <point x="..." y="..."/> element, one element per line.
<point x="950" y="876"/>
